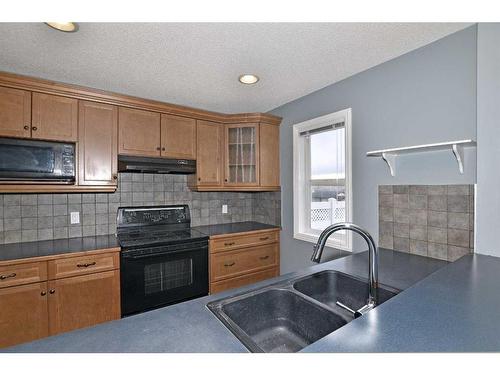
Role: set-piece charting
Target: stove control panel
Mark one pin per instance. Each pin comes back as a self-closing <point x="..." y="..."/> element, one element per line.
<point x="153" y="215"/>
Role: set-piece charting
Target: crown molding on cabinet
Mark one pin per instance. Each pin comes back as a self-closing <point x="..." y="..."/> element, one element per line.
<point x="90" y="94"/>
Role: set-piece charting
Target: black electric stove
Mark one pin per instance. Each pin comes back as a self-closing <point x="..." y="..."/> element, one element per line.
<point x="163" y="260"/>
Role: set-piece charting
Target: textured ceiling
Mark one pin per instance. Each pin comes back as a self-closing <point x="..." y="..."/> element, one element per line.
<point x="197" y="64"/>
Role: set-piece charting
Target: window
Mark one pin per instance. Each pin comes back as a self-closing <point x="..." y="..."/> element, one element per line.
<point x="322" y="192"/>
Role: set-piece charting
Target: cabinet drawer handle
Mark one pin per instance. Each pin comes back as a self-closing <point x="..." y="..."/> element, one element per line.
<point x="264" y="238"/>
<point x="26" y="127"/>
<point x="228" y="243"/>
<point x="229" y="264"/>
<point x="34" y="128"/>
<point x="158" y="148"/>
<point x="85" y="265"/>
<point x="43" y="293"/>
<point x="264" y="257"/>
<point x="163" y="148"/>
<point x="52" y="291"/>
<point x="3" y="277"/>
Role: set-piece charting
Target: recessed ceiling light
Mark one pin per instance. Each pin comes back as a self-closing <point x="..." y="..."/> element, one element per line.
<point x="248" y="79"/>
<point x="67" y="27"/>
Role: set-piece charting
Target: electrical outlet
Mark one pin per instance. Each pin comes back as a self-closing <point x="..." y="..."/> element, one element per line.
<point x="224" y="208"/>
<point x="75" y="217"/>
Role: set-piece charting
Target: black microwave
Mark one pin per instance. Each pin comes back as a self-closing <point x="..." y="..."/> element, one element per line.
<point x="33" y="161"/>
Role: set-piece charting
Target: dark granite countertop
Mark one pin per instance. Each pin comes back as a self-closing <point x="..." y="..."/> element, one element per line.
<point x="24" y="250"/>
<point x="191" y="327"/>
<point x="244" y="226"/>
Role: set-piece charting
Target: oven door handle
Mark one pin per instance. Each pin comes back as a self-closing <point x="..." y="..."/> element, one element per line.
<point x="142" y="256"/>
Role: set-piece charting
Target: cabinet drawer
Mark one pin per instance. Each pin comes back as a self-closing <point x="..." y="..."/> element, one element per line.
<point x="237" y="262"/>
<point x="236" y="282"/>
<point x="82" y="265"/>
<point x="242" y="240"/>
<point x="25" y="273"/>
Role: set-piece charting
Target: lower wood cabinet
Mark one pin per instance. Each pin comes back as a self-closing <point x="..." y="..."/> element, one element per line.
<point x="83" y="301"/>
<point x="23" y="313"/>
<point x="44" y="298"/>
<point x="243" y="258"/>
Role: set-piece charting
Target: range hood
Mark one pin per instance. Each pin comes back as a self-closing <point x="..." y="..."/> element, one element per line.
<point x="138" y="164"/>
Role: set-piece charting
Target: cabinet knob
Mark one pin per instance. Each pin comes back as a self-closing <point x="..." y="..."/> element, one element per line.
<point x="44" y="293"/>
<point x="52" y="291"/>
<point x="225" y="180"/>
<point x="26" y="127"/>
<point x="163" y="148"/>
<point x="34" y="128"/>
<point x="158" y="148"/>
<point x="115" y="177"/>
<point x="199" y="178"/>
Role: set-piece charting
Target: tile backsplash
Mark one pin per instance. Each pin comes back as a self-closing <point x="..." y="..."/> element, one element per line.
<point x="32" y="217"/>
<point x="436" y="221"/>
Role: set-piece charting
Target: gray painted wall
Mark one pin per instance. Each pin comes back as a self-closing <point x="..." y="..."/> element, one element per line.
<point x="425" y="96"/>
<point x="488" y="139"/>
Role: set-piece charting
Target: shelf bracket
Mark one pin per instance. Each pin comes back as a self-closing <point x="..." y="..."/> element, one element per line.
<point x="390" y="159"/>
<point x="458" y="151"/>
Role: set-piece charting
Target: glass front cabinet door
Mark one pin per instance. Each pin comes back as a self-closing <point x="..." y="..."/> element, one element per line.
<point x="242" y="154"/>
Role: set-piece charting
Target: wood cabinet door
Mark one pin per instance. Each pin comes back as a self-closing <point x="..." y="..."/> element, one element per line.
<point x="178" y="137"/>
<point x="23" y="313"/>
<point x="138" y="132"/>
<point x="209" y="137"/>
<point x="98" y="144"/>
<point x="241" y="157"/>
<point x="15" y="113"/>
<point x="269" y="155"/>
<point x="83" y="301"/>
<point x="54" y="117"/>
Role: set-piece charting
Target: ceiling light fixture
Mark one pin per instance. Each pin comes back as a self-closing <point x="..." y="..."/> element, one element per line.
<point x="248" y="79"/>
<point x="67" y="27"/>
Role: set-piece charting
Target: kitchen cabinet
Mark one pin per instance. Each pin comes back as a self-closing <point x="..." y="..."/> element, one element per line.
<point x="54" y="118"/>
<point x="23" y="313"/>
<point x="243" y="258"/>
<point x="178" y="137"/>
<point x="139" y="132"/>
<point x="83" y="301"/>
<point x="241" y="161"/>
<point x="269" y="158"/>
<point x="15" y="112"/>
<point x="209" y="158"/>
<point x="97" y="144"/>
<point x="46" y="297"/>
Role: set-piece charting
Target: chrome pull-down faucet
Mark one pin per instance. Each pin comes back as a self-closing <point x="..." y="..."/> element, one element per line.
<point x="372" y="259"/>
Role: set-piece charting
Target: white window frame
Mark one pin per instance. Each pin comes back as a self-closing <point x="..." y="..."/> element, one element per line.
<point x="301" y="201"/>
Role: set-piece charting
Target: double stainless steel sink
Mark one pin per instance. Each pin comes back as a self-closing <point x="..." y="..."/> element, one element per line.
<point x="290" y="315"/>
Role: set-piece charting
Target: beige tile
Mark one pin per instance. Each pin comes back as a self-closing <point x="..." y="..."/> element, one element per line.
<point x="437" y="235"/>
<point x="458" y="220"/>
<point x="418" y="232"/>
<point x="402" y="244"/>
<point x="400" y="189"/>
<point x="418" y="189"/>
<point x="386" y="228"/>
<point x="458" y="189"/>
<point x="458" y="203"/>
<point x="436" y="189"/>
<point x="386" y="200"/>
<point x="418" y="202"/>
<point x="437" y="202"/>
<point x="402" y="215"/>
<point x="386" y="242"/>
<point x="456" y="252"/>
<point x="401" y="230"/>
<point x="401" y="200"/>
<point x="437" y="219"/>
<point x="458" y="237"/>
<point x="418" y="217"/>
<point x="385" y="189"/>
<point x="438" y="251"/>
<point x="386" y="214"/>
<point x="418" y="247"/>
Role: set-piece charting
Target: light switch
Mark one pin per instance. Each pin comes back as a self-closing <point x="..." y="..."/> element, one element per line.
<point x="224" y="208"/>
<point x="75" y="217"/>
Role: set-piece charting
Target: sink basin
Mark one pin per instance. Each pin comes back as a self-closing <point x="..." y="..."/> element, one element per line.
<point x="276" y="320"/>
<point x="328" y="287"/>
<point x="289" y="315"/>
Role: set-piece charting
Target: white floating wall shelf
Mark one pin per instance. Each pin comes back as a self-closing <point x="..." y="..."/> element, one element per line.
<point x="456" y="147"/>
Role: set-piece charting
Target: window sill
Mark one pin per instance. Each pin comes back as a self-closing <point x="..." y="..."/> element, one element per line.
<point x="313" y="238"/>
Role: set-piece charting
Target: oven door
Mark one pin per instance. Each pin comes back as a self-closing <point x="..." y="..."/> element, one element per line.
<point x="159" y="276"/>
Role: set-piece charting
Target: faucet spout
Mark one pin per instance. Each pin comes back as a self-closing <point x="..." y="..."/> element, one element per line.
<point x="372" y="256"/>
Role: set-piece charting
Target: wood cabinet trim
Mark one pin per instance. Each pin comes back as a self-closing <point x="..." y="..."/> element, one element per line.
<point x="22" y="273"/>
<point x="90" y="94"/>
<point x="182" y="138"/>
<point x="82" y="265"/>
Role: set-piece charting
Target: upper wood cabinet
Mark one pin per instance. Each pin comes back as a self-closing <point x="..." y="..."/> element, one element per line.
<point x="138" y="132"/>
<point x="83" y="301"/>
<point x="241" y="155"/>
<point x="178" y="137"/>
<point x="97" y="143"/>
<point x="15" y="112"/>
<point x="209" y="138"/>
<point x="54" y="118"/>
<point x="23" y="313"/>
<point x="269" y="136"/>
